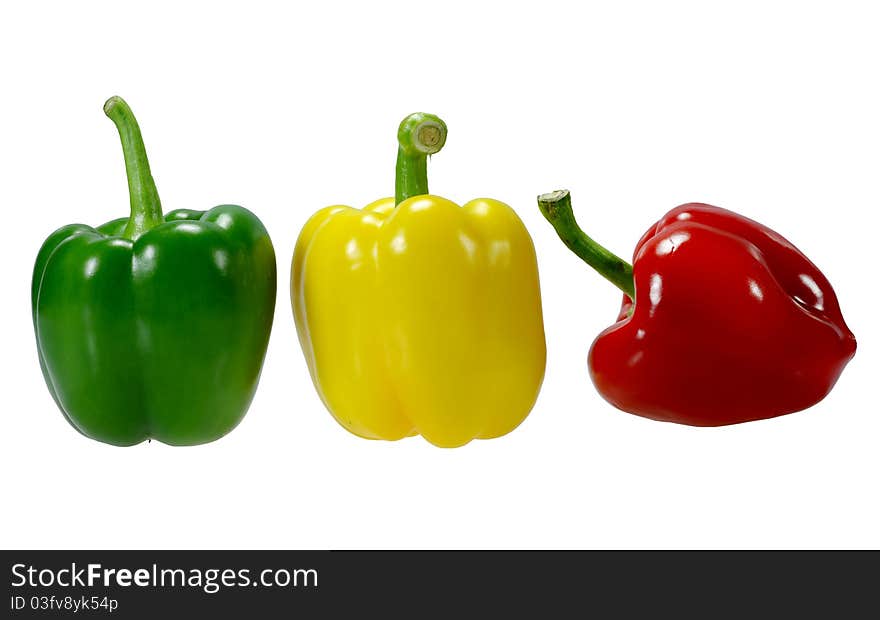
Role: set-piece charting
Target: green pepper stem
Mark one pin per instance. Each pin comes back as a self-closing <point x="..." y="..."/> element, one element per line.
<point x="146" y="210"/>
<point x="419" y="136"/>
<point x="556" y="207"/>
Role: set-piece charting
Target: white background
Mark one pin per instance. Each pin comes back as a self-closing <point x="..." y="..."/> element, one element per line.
<point x="767" y="108"/>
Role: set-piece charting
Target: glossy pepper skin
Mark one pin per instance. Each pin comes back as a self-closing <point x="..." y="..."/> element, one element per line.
<point x="731" y="322"/>
<point x="424" y="317"/>
<point x="154" y="326"/>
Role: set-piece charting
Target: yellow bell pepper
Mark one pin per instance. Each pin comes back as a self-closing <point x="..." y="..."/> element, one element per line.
<point x="424" y="317"/>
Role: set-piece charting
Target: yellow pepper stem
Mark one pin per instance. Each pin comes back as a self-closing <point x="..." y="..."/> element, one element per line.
<point x="419" y="136"/>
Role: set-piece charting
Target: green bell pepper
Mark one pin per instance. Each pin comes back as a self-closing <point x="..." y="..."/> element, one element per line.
<point x="152" y="326"/>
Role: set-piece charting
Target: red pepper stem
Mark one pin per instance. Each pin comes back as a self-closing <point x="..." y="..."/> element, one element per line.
<point x="556" y="207"/>
<point x="146" y="210"/>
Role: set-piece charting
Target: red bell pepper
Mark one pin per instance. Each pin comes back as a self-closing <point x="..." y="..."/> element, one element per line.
<point x="723" y="320"/>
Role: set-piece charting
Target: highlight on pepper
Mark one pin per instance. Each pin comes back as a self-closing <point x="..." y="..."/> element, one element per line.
<point x="419" y="316"/>
<point x="154" y="326"/>
<point x="723" y="320"/>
